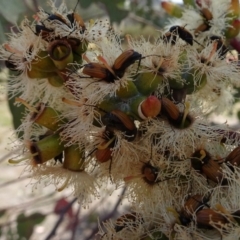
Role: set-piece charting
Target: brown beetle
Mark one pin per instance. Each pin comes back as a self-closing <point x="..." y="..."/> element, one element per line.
<point x="181" y="32"/>
<point x="234" y="157"/>
<point x="109" y="74"/>
<point x="221" y="48"/>
<point x="193" y="204"/>
<point x="209" y="218"/>
<point x="202" y="162"/>
<point x="170" y="110"/>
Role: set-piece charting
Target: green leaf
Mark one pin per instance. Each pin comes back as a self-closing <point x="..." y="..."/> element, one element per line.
<point x="17" y="113"/>
<point x="25" y="225"/>
<point x="189" y="2"/>
<point x="115" y="13"/>
<point x="2" y="212"/>
<point x="86" y="3"/>
<point x="10" y="9"/>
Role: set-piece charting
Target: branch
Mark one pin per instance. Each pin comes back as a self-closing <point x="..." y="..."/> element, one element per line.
<point x="59" y="221"/>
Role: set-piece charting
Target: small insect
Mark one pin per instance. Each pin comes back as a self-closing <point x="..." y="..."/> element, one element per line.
<point x="171" y="35"/>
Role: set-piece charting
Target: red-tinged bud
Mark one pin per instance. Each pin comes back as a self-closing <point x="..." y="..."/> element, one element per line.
<point x="235" y="43"/>
<point x="172" y="9"/>
<point x="234" y="30"/>
<point x="150" y="107"/>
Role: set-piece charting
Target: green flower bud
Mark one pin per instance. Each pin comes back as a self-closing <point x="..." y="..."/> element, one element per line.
<point x="148" y="82"/>
<point x="47" y="117"/>
<point x="73" y="158"/>
<point x="55" y="80"/>
<point x="191" y="85"/>
<point x="60" y="52"/>
<point x="34" y="73"/>
<point x="46" y="149"/>
<point x="128" y="91"/>
<point x="43" y="63"/>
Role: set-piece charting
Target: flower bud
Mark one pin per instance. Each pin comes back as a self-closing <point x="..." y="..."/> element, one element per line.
<point x="34" y="73"/>
<point x="46" y="149"/>
<point x="233" y="30"/>
<point x="148" y="82"/>
<point x="60" y="52"/>
<point x="73" y="158"/>
<point x="47" y="117"/>
<point x="43" y="62"/>
<point x="150" y="107"/>
<point x="127" y="91"/>
<point x="55" y="81"/>
<point x="172" y="9"/>
<point x="191" y="85"/>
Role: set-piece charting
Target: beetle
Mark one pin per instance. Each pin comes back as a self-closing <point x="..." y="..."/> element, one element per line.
<point x="221" y="48"/>
<point x="71" y="17"/>
<point x="203" y="163"/>
<point x="193" y="204"/>
<point x="233" y="158"/>
<point x="110" y="74"/>
<point x="171" y="35"/>
<point x="209" y="218"/>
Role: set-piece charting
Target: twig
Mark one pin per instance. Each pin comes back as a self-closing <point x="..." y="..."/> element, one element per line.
<point x="14" y="181"/>
<point x="75" y="223"/>
<point x="59" y="221"/>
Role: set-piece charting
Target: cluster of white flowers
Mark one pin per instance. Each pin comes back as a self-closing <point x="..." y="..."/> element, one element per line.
<point x="134" y="115"/>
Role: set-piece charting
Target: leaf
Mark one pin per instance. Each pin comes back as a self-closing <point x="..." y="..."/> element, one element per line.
<point x="86" y="3"/>
<point x="26" y="224"/>
<point x="2" y="212"/>
<point x="11" y="9"/>
<point x="17" y="113"/>
<point x="189" y="2"/>
<point x="115" y="13"/>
